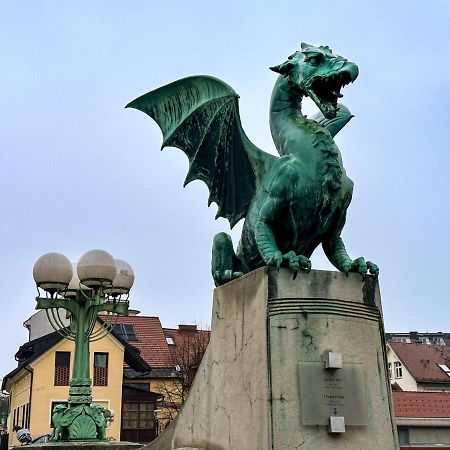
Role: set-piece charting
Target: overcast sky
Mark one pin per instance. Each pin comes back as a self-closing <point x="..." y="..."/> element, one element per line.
<point x="81" y="172"/>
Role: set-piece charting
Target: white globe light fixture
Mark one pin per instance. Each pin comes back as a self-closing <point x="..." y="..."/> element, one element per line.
<point x="96" y="268"/>
<point x="123" y="281"/>
<point x="52" y="272"/>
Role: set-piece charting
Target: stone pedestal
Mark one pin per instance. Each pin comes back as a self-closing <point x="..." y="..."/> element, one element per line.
<point x="263" y="382"/>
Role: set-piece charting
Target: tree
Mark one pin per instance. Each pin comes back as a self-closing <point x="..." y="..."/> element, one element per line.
<point x="187" y="346"/>
<point x="4" y="409"/>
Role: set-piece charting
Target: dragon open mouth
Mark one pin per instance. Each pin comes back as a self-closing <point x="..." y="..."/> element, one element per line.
<point x="325" y="91"/>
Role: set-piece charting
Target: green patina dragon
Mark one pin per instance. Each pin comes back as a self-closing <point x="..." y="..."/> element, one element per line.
<point x="291" y="203"/>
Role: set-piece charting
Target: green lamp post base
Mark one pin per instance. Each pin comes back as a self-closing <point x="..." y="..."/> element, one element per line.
<point x="79" y="423"/>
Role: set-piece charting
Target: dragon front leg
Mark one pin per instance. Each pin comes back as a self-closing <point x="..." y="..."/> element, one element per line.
<point x="225" y="265"/>
<point x="338" y="256"/>
<point x="272" y="255"/>
<point x="276" y="201"/>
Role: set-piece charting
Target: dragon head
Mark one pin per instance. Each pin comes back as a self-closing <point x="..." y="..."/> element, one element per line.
<point x="318" y="73"/>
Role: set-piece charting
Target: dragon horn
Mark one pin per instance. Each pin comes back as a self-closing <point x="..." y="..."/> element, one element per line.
<point x="284" y="68"/>
<point x="304" y="45"/>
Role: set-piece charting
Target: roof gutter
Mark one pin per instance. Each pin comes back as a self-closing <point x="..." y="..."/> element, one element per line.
<point x="423" y="421"/>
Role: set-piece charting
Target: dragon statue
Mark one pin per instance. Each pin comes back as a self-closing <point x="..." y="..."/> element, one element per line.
<point x="291" y="203"/>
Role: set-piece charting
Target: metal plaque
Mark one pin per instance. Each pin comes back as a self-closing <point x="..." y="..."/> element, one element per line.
<point x="325" y="393"/>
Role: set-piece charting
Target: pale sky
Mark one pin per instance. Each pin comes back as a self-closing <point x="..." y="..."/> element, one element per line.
<point x="80" y="172"/>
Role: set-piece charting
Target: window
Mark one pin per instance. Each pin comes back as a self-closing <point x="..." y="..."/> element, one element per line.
<point x="138" y="416"/>
<point x="169" y="340"/>
<point x="27" y="416"/>
<point x="445" y="368"/>
<point x="25" y="419"/>
<point x="62" y="368"/>
<point x="100" y="369"/>
<point x="125" y="331"/>
<point x="403" y="436"/>
<point x="390" y="370"/>
<point x="398" y="369"/>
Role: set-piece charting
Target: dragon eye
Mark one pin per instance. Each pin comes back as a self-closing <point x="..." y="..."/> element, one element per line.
<point x="315" y="59"/>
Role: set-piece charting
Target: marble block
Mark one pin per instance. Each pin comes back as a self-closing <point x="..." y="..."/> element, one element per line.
<point x="291" y="364"/>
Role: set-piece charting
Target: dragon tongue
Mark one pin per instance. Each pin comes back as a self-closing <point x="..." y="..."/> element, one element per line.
<point x="336" y="93"/>
<point x="327" y="108"/>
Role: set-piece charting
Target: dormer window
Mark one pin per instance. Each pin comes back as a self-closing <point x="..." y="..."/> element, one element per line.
<point x="398" y="368"/>
<point x="125" y="331"/>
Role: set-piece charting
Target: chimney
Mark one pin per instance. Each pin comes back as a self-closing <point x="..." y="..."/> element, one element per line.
<point x="187" y="328"/>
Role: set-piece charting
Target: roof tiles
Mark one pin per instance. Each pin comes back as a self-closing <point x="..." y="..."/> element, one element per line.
<point x="151" y="340"/>
<point x="422" y="360"/>
<point x="421" y="404"/>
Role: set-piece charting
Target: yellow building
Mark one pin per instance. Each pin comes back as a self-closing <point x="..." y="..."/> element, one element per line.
<point x="41" y="380"/>
<point x="133" y="368"/>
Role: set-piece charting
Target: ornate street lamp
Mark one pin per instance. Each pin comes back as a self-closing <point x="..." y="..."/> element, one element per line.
<point x="99" y="283"/>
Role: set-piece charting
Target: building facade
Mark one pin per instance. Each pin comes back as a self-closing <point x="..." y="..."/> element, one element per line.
<point x="41" y="380"/>
<point x="137" y="371"/>
<point x="418" y="367"/>
<point x="420" y="379"/>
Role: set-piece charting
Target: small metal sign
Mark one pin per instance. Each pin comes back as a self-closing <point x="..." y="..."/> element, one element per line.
<point x="325" y="393"/>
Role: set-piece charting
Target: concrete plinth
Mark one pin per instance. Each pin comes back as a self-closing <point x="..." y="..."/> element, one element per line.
<point x="263" y="383"/>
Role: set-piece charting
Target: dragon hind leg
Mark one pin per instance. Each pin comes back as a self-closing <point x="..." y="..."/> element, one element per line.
<point x="225" y="265"/>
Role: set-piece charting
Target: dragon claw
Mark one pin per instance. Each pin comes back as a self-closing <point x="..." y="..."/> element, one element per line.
<point x="276" y="260"/>
<point x="297" y="262"/>
<point x="373" y="268"/>
<point x="225" y="276"/>
<point x="361" y="266"/>
<point x="305" y="263"/>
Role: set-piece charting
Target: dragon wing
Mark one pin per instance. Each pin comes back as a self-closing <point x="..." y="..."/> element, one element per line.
<point x="200" y="115"/>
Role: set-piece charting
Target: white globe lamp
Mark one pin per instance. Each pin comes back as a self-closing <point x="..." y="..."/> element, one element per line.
<point x="96" y="268"/>
<point x="52" y="272"/>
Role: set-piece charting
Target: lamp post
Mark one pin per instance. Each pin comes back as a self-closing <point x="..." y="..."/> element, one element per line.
<point x="99" y="284"/>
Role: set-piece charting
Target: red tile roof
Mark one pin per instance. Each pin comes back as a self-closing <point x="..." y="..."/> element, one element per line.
<point x="421" y="404"/>
<point x="151" y="340"/>
<point x="422" y="360"/>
